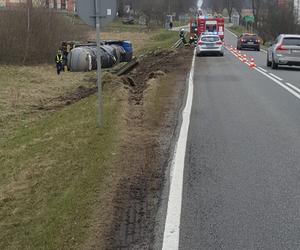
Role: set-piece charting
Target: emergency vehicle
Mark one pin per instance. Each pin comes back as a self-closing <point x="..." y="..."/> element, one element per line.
<point x="207" y="24"/>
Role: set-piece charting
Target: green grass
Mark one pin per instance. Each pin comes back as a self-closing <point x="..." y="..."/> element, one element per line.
<point x="24" y="87"/>
<point x="162" y="40"/>
<point x="180" y="23"/>
<point x="238" y="30"/>
<point x="118" y="26"/>
<point x="56" y="167"/>
<point x="53" y="174"/>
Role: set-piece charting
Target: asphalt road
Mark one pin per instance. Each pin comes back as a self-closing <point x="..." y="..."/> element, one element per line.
<point x="242" y="168"/>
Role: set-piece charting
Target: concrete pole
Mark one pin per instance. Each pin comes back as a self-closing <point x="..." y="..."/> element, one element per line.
<point x="99" y="83"/>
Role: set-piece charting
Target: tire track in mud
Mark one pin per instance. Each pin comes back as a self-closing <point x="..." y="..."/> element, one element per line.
<point x="146" y="148"/>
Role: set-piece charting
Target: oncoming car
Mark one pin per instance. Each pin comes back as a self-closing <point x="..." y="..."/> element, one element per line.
<point x="248" y="41"/>
<point x="210" y="45"/>
<point x="285" y="50"/>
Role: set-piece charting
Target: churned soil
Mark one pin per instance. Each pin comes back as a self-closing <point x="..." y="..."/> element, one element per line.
<point x="156" y="93"/>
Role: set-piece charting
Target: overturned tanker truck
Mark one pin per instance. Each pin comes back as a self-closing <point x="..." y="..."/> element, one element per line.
<point x="82" y="57"/>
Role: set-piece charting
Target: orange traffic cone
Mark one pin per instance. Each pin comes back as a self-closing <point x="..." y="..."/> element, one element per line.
<point x="240" y="55"/>
<point x="244" y="58"/>
<point x="252" y="63"/>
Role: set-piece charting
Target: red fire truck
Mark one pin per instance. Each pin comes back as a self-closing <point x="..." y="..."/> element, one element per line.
<point x="207" y="24"/>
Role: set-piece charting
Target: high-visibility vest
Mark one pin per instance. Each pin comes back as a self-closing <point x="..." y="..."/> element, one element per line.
<point x="59" y="59"/>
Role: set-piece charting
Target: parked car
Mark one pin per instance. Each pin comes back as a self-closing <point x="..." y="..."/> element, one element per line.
<point x="285" y="50"/>
<point x="248" y="41"/>
<point x="210" y="44"/>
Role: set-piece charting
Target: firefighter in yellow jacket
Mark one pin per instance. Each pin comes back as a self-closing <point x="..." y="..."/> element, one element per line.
<point x="59" y="62"/>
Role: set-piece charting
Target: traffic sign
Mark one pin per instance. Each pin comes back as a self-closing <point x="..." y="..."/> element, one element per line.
<point x="86" y="10"/>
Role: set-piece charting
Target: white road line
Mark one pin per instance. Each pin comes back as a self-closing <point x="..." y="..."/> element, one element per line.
<point x="293" y="87"/>
<point x="262" y="69"/>
<point x="279" y="83"/>
<point x="289" y="87"/>
<point x="264" y="51"/>
<point x="231" y="32"/>
<point x="275" y="76"/>
<point x="172" y="226"/>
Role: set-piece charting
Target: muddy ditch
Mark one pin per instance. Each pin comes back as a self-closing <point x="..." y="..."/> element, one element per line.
<point x="156" y="92"/>
<point x="151" y="65"/>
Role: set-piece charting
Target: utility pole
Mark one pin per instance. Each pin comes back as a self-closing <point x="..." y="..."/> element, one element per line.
<point x="97" y="14"/>
<point x="99" y="83"/>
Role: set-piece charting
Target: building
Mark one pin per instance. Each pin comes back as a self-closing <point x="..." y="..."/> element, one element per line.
<point x="66" y="5"/>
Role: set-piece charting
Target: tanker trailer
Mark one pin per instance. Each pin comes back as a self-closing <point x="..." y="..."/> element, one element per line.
<point x="84" y="58"/>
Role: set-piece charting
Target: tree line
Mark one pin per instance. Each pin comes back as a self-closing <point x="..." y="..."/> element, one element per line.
<point x="270" y="19"/>
<point x="32" y="34"/>
<point x="156" y="10"/>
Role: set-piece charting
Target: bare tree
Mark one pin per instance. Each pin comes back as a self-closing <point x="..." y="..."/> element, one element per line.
<point x="257" y="7"/>
<point x="238" y="6"/>
<point x="229" y="4"/>
<point x="32" y="34"/>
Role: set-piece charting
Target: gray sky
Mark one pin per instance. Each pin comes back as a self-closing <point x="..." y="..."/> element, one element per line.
<point x="200" y="3"/>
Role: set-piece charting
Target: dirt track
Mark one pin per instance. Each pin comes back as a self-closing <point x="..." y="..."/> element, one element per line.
<point x="156" y="90"/>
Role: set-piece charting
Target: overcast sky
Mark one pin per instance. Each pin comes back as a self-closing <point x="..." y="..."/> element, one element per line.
<point x="200" y="3"/>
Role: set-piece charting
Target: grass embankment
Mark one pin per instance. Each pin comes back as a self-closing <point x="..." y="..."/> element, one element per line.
<point x="58" y="168"/>
<point x="143" y="39"/>
<point x="238" y="30"/>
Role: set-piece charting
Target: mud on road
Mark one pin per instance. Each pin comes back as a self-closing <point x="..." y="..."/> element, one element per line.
<point x="156" y="92"/>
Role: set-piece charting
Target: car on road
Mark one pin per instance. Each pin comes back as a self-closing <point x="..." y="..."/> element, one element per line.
<point x="210" y="44"/>
<point x="248" y="41"/>
<point x="285" y="50"/>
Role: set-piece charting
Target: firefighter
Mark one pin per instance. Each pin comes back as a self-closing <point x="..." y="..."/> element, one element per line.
<point x="196" y="38"/>
<point x="59" y="61"/>
<point x="182" y="36"/>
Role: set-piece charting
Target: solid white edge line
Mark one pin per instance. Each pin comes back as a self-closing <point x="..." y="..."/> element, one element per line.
<point x="266" y="52"/>
<point x="264" y="70"/>
<point x="290" y="88"/>
<point x="275" y="76"/>
<point x="172" y="225"/>
<point x="280" y="83"/>
<point x="231" y="32"/>
<point x="293" y="87"/>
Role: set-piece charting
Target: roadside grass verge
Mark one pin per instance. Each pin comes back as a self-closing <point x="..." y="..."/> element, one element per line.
<point x="118" y="26"/>
<point x="53" y="175"/>
<point x="238" y="30"/>
<point x="24" y="88"/>
<point x="142" y="38"/>
<point x="58" y="167"/>
<point x="163" y="39"/>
